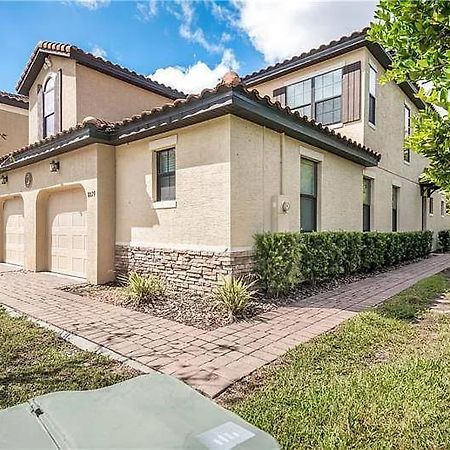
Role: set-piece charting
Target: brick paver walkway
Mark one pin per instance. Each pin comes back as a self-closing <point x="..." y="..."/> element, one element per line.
<point x="208" y="360"/>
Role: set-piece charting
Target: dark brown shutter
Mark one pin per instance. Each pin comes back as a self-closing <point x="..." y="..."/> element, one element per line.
<point x="40" y="111"/>
<point x="351" y="92"/>
<point x="58" y="86"/>
<point x="279" y="95"/>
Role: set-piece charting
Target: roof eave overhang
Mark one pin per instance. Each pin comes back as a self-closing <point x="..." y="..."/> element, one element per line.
<point x="213" y="106"/>
<point x="25" y="83"/>
<point x="72" y="141"/>
<point x="13" y="102"/>
<point x="323" y="55"/>
<point x="352" y="44"/>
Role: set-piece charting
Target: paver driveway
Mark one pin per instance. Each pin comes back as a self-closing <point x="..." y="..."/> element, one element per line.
<point x="208" y="360"/>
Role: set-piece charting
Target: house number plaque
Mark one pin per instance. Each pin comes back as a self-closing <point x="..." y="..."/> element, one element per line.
<point x="91" y="194"/>
<point x="28" y="179"/>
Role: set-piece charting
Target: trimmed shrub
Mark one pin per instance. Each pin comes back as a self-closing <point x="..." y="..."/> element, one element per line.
<point x="444" y="240"/>
<point x="285" y="260"/>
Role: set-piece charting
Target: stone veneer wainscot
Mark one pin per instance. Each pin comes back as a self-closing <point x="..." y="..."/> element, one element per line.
<point x="184" y="270"/>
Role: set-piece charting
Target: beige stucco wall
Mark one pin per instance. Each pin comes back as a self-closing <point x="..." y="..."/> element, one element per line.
<point x="257" y="156"/>
<point x="108" y="98"/>
<point x="92" y="169"/>
<point x="68" y="95"/>
<point x="14" y="123"/>
<point x="201" y="216"/>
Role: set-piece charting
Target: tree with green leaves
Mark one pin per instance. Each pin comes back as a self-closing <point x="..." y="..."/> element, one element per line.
<point x="417" y="33"/>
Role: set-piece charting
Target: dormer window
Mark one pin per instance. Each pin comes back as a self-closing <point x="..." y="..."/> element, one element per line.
<point x="49" y="107"/>
<point x="49" y="94"/>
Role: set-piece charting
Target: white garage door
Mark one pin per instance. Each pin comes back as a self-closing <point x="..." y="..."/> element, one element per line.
<point x="68" y="232"/>
<point x="13" y="235"/>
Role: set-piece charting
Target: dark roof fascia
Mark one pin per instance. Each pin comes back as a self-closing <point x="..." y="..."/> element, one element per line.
<point x="27" y="79"/>
<point x="336" y="50"/>
<point x="214" y="104"/>
<point x="63" y="144"/>
<point x="276" y="120"/>
<point x="97" y="64"/>
<point x="317" y="57"/>
<point x="13" y="102"/>
<point x="210" y="107"/>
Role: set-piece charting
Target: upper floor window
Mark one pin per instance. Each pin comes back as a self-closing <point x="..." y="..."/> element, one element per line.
<point x="407" y="151"/>
<point x="49" y="107"/>
<point x="308" y="195"/>
<point x="165" y="175"/>
<point x="319" y="97"/>
<point x="372" y="93"/>
<point x="367" y="200"/>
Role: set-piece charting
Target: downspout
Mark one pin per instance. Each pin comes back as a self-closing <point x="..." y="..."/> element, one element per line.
<point x="282" y="150"/>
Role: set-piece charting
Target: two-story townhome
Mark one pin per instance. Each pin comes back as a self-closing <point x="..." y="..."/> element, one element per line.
<point x="121" y="173"/>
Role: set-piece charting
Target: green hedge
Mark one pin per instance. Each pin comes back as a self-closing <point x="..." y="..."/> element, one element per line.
<point x="444" y="240"/>
<point x="285" y="260"/>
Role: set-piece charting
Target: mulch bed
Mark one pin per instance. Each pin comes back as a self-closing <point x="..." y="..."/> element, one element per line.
<point x="200" y="311"/>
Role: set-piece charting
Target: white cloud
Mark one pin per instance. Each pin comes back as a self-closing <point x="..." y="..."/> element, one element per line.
<point x="99" y="52"/>
<point x="92" y="4"/>
<point x="147" y="10"/>
<point x="280" y="29"/>
<point x="194" y="78"/>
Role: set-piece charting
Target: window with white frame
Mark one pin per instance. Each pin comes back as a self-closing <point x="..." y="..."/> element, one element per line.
<point x="372" y="94"/>
<point x="49" y="107"/>
<point x="431" y="206"/>
<point x="367" y="201"/>
<point x="407" y="124"/>
<point x="165" y="175"/>
<point x="319" y="97"/>
<point x="442" y="208"/>
<point x="308" y="195"/>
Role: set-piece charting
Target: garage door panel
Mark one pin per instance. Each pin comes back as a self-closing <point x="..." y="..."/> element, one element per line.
<point x="13" y="232"/>
<point x="68" y="232"/>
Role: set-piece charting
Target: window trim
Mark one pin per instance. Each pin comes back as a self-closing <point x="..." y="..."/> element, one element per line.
<point x="372" y="95"/>
<point x="397" y="216"/>
<point x="370" y="181"/>
<point x="407" y="131"/>
<point x="313" y="102"/>
<point x="431" y="206"/>
<point x="315" y="197"/>
<point x="168" y="203"/>
<point x="443" y="208"/>
<point x="45" y="134"/>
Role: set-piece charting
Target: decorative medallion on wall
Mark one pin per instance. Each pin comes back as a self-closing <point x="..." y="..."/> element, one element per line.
<point x="28" y="179"/>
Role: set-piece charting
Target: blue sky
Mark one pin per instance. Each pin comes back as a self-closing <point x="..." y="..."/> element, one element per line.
<point x="186" y="44"/>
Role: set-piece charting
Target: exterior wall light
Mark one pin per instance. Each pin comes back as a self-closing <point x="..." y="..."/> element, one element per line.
<point x="4" y="179"/>
<point x="54" y="166"/>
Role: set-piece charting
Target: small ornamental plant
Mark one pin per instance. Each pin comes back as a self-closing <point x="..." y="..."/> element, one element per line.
<point x="234" y="296"/>
<point x="143" y="289"/>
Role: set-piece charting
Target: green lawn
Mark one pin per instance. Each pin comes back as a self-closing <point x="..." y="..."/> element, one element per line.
<point x="381" y="380"/>
<point x="34" y="362"/>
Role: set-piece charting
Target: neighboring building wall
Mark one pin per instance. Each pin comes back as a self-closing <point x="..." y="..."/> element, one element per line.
<point x="68" y="95"/>
<point x="108" y="98"/>
<point x="14" y="123"/>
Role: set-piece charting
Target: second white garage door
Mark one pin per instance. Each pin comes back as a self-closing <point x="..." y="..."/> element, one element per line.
<point x="68" y="232"/>
<point x="13" y="231"/>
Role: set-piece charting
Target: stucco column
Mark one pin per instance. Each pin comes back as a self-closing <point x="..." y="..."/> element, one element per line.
<point x="30" y="232"/>
<point x="101" y="213"/>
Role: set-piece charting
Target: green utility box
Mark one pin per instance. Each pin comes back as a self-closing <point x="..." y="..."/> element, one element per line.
<point x="148" y="412"/>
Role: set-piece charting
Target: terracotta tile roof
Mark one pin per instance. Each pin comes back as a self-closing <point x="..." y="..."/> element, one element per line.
<point x="18" y="100"/>
<point x="113" y="130"/>
<point x="71" y="51"/>
<point x="357" y="35"/>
